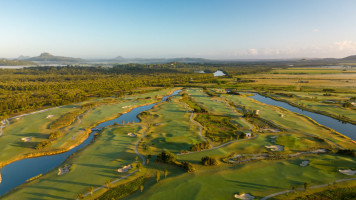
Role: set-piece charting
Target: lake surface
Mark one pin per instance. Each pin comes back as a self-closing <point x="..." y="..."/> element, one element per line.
<point x="344" y="128"/>
<point x="16" y="173"/>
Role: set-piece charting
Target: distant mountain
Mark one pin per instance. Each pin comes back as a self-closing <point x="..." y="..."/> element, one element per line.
<point x="46" y="57"/>
<point x="7" y="62"/>
<point x="121" y="59"/>
<point x="353" y="57"/>
<point x="23" y="57"/>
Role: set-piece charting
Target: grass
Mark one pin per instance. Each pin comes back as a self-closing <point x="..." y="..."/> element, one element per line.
<point x="290" y="121"/>
<point x="171" y="128"/>
<point x="217" y="106"/>
<point x="37" y="125"/>
<point x="90" y="167"/>
<point x="312" y="101"/>
<point x="258" y="178"/>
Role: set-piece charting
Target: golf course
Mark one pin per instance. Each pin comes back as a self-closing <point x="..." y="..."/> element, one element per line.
<point x="205" y="141"/>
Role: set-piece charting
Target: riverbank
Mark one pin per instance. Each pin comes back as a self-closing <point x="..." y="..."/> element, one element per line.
<point x="78" y="141"/>
<point x="344" y="119"/>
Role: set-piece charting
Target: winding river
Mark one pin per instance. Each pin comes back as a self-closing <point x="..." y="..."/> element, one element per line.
<point x="16" y="173"/>
<point x="344" y="128"/>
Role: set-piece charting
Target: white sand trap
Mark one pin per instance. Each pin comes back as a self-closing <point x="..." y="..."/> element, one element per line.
<point x="304" y="163"/>
<point x="26" y="139"/>
<point x="131" y="135"/>
<point x="64" y="170"/>
<point x="275" y="147"/>
<point x="124" y="169"/>
<point x="125" y="106"/>
<point x="319" y="151"/>
<point x="236" y="156"/>
<point x="347" y="172"/>
<point x="244" y="196"/>
<point x="49" y="116"/>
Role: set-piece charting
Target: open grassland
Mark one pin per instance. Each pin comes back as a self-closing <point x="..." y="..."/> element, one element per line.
<point x="289" y="120"/>
<point x="301" y="79"/>
<point x="258" y="178"/>
<point x="171" y="128"/>
<point x="312" y="70"/>
<point x="37" y="125"/>
<point x="98" y="162"/>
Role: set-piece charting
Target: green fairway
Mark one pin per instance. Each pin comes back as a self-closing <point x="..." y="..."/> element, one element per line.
<point x="289" y="120"/>
<point x="171" y="128"/>
<point x="92" y="166"/>
<point x="218" y="106"/>
<point x="257" y="178"/>
<point x="37" y="125"/>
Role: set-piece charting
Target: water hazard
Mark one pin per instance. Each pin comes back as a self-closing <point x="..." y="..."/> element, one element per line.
<point x="16" y="173"/>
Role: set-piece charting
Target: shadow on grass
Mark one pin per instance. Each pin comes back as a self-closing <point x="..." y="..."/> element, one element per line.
<point x="40" y="196"/>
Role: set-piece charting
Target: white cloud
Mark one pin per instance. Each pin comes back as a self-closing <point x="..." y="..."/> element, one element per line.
<point x="346" y="45"/>
<point x="253" y="51"/>
<point x="315" y="30"/>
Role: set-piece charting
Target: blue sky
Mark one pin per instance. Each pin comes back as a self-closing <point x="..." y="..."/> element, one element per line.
<point x="223" y="29"/>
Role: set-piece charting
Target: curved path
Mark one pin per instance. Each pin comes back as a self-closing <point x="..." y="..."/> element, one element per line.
<point x="130" y="174"/>
<point x="301" y="189"/>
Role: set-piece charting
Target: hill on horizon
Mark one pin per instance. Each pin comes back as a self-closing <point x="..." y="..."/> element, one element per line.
<point x="47" y="57"/>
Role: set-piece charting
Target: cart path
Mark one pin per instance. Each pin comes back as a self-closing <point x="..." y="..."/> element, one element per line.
<point x="301" y="189"/>
<point x="130" y="174"/>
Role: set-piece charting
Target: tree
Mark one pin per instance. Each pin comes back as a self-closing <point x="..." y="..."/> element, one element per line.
<point x="91" y="190"/>
<point x="136" y="158"/>
<point x="294" y="189"/>
<point x="108" y="183"/>
<point x="306" y="186"/>
<point x="139" y="166"/>
<point x="141" y="188"/>
<point x="80" y="196"/>
<point x="166" y="157"/>
<point x="207" y="160"/>
<point x="165" y="173"/>
<point x="147" y="161"/>
<point x="187" y="166"/>
<point x="158" y="176"/>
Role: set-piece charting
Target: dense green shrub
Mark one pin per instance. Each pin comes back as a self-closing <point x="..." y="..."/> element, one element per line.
<point x="123" y="190"/>
<point x="332" y="194"/>
<point x="207" y="160"/>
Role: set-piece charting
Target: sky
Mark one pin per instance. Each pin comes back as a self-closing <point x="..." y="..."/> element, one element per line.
<point x="214" y="29"/>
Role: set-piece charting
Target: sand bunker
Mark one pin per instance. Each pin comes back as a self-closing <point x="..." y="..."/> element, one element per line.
<point x="124" y="169"/>
<point x="125" y="106"/>
<point x="64" y="170"/>
<point x="131" y="135"/>
<point x="49" y="116"/>
<point x="244" y="196"/>
<point x="304" y="163"/>
<point x="347" y="172"/>
<point x="26" y="139"/>
<point x="275" y="147"/>
<point x="319" y="151"/>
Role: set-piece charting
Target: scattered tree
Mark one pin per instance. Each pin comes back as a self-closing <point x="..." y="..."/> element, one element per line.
<point x="158" y="176"/>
